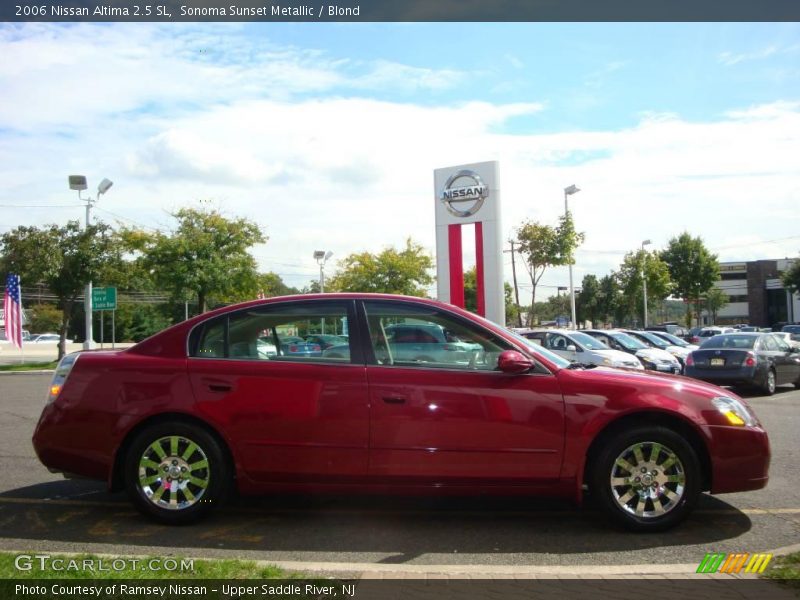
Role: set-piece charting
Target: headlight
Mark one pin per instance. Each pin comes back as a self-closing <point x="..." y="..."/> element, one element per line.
<point x="734" y="411"/>
<point x="609" y="363"/>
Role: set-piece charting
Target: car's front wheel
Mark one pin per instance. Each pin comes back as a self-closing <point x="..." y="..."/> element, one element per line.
<point x="647" y="478"/>
<point x="176" y="472"/>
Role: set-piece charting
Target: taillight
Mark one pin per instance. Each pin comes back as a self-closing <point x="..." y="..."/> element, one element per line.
<point x="292" y="348"/>
<point x="750" y="361"/>
<point x="689" y="361"/>
<point x="60" y="376"/>
<point x="695" y="339"/>
<point x="315" y="348"/>
<point x="449" y="347"/>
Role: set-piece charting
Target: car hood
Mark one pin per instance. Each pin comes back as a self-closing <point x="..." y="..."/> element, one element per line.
<point x="644" y="385"/>
<point x="679" y="351"/>
<point x="615" y="355"/>
<point x="655" y="354"/>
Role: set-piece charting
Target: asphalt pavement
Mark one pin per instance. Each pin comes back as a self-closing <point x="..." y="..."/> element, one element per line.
<point x="41" y="511"/>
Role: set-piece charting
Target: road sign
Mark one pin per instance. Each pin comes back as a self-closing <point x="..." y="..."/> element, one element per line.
<point x="104" y="298"/>
<point x="561" y="321"/>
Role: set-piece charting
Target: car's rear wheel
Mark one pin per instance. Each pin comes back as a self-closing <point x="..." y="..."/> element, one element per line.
<point x="647" y="479"/>
<point x="176" y="472"/>
<point x="769" y="383"/>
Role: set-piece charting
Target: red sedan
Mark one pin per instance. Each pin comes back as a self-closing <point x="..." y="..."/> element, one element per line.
<point x="181" y="418"/>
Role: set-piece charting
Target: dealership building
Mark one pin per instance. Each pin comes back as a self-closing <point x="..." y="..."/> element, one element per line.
<point x="756" y="294"/>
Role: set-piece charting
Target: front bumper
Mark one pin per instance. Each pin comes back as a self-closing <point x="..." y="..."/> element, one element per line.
<point x="740" y="458"/>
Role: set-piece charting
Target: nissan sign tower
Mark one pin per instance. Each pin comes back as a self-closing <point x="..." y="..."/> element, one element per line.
<point x="470" y="194"/>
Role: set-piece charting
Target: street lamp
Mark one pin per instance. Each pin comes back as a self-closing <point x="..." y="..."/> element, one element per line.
<point x="78" y="183"/>
<point x="322" y="257"/>
<point x="568" y="191"/>
<point x="644" y="279"/>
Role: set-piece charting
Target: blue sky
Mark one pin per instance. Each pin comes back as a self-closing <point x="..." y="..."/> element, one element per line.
<point x="327" y="134"/>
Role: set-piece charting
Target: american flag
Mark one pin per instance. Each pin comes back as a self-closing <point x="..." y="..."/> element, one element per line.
<point x="12" y="310"/>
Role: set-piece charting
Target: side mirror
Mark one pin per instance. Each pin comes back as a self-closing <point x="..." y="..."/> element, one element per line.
<point x="572" y="348"/>
<point x="513" y="362"/>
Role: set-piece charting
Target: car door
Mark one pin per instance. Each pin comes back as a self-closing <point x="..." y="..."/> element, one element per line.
<point x="458" y="419"/>
<point x="290" y="415"/>
<point x="787" y="363"/>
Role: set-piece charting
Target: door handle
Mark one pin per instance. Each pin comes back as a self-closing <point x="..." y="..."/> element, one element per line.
<point x="220" y="387"/>
<point x="394" y="399"/>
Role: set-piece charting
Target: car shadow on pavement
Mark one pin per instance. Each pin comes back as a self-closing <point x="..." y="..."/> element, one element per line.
<point x="400" y="528"/>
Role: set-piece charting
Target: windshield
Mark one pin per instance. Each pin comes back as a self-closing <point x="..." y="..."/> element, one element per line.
<point x="627" y="341"/>
<point x="730" y="340"/>
<point x="538" y="350"/>
<point x="588" y="341"/>
<point x="676" y="341"/>
<point x="653" y="339"/>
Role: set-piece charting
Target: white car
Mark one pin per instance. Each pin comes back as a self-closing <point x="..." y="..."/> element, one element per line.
<point x="649" y="338"/>
<point x="581" y="348"/>
<point x="653" y="359"/>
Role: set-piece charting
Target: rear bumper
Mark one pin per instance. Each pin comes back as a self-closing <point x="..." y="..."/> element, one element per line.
<point x="740" y="458"/>
<point x="747" y="375"/>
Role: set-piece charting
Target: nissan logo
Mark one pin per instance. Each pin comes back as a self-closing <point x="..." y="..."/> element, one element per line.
<point x="464" y="188"/>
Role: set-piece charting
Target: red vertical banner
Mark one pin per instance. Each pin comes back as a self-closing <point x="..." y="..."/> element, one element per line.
<point x="479" y="273"/>
<point x="456" y="265"/>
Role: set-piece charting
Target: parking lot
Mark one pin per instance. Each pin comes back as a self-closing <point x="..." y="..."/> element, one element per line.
<point x="42" y="511"/>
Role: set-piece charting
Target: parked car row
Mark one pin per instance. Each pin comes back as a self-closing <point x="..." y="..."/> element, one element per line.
<point x="725" y="357"/>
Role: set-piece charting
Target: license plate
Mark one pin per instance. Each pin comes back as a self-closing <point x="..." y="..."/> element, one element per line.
<point x="664" y="368"/>
<point x="717" y="362"/>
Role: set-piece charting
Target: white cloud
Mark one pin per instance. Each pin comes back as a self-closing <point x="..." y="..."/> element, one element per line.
<point x="202" y="116"/>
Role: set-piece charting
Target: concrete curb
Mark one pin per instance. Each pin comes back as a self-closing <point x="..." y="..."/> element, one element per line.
<point x="31" y="372"/>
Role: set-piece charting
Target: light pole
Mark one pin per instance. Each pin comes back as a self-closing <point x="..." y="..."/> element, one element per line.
<point x="644" y="279"/>
<point x="568" y="191"/>
<point x="78" y="183"/>
<point x="322" y="257"/>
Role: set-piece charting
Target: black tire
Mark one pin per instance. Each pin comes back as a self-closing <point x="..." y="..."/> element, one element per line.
<point x="197" y="501"/>
<point x="768" y="387"/>
<point x="612" y="498"/>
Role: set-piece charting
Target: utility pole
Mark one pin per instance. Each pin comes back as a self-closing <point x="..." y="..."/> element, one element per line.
<point x="514" y="275"/>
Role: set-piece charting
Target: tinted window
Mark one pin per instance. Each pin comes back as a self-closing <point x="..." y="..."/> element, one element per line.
<point x="653" y="339"/>
<point x="791" y="328"/>
<point x="277" y="332"/>
<point x="539" y="350"/>
<point x="769" y="343"/>
<point x="588" y="341"/>
<point x="422" y="336"/>
<point x="783" y="346"/>
<point x="627" y="341"/>
<point x="730" y="340"/>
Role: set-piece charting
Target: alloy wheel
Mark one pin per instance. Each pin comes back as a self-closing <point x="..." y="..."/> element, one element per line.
<point x="173" y="472"/>
<point x="647" y="480"/>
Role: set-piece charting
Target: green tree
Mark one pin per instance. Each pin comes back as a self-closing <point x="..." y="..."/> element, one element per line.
<point x="631" y="282"/>
<point x="43" y="318"/>
<point x="791" y="277"/>
<point x="588" y="300"/>
<point x="609" y="301"/>
<point x="715" y="299"/>
<point x="692" y="268"/>
<point x="205" y="256"/>
<point x="271" y="284"/>
<point x="64" y="258"/>
<point x="538" y="248"/>
<point x="471" y="295"/>
<point x="405" y="271"/>
<point x="542" y="246"/>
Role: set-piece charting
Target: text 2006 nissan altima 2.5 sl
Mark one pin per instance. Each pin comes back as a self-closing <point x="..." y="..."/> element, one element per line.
<point x="180" y="419"/>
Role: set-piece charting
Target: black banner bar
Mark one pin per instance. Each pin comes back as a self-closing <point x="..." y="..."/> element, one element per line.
<point x="165" y="11"/>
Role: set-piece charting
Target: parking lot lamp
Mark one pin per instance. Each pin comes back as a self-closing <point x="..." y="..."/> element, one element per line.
<point x="78" y="183"/>
<point x="644" y="279"/>
<point x="568" y="191"/>
<point x="321" y="256"/>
